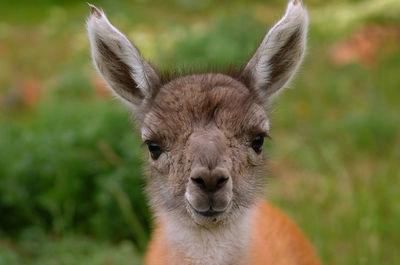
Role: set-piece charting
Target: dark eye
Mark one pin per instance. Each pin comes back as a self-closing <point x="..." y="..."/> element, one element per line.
<point x="258" y="143"/>
<point x="155" y="150"/>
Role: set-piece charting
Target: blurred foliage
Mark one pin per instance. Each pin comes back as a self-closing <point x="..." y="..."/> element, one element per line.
<point x="70" y="160"/>
<point x="70" y="169"/>
<point x="39" y="249"/>
<point x="217" y="45"/>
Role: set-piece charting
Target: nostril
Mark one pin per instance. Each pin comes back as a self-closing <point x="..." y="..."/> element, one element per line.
<point x="209" y="181"/>
<point x="198" y="181"/>
<point x="221" y="181"/>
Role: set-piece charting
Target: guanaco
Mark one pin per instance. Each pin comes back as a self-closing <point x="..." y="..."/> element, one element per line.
<point x="205" y="135"/>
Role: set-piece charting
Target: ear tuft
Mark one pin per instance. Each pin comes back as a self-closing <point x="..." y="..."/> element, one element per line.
<point x="94" y="11"/>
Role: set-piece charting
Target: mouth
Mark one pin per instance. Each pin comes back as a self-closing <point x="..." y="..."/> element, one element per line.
<point x="209" y="216"/>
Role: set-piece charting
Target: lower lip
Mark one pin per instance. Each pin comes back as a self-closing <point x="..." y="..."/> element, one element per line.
<point x="209" y="213"/>
<point x="209" y="216"/>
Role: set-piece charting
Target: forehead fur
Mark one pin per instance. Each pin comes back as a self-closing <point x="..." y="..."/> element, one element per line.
<point x="200" y="101"/>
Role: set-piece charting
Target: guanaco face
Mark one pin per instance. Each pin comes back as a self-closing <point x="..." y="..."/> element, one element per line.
<point x="204" y="132"/>
<point x="205" y="135"/>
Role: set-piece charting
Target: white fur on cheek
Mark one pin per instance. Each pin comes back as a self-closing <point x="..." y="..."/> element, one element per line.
<point x="188" y="197"/>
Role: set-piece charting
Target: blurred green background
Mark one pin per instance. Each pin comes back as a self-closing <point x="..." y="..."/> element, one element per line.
<point x="70" y="161"/>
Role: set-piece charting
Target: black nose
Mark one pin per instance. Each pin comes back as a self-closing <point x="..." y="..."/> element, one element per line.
<point x="209" y="180"/>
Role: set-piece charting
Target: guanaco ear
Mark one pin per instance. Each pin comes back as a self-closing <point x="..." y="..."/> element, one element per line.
<point x="280" y="53"/>
<point x="129" y="76"/>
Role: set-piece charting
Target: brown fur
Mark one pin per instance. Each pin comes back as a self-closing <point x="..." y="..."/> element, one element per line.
<point x="203" y="101"/>
<point x="204" y="183"/>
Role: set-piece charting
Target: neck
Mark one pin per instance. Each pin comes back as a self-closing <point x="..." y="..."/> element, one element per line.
<point x="224" y="243"/>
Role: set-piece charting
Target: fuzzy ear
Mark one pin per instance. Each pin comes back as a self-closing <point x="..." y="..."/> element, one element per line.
<point x="280" y="53"/>
<point x="130" y="77"/>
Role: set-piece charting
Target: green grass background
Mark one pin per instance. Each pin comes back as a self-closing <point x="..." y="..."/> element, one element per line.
<point x="70" y="164"/>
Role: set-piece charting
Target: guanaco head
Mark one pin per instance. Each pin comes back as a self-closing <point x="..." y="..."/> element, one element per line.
<point x="204" y="132"/>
